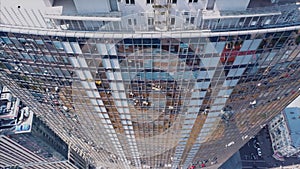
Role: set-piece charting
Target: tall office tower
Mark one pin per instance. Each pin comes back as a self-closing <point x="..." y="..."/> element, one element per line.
<point x="15" y="156"/>
<point x="26" y="142"/>
<point x="152" y="83"/>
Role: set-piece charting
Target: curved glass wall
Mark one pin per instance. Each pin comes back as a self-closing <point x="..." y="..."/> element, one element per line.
<point x="155" y="101"/>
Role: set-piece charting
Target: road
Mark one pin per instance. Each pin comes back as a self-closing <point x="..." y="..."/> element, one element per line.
<point x="251" y="159"/>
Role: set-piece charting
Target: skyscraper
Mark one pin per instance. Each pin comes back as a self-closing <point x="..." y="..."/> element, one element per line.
<point x="152" y="83"/>
<point x="26" y="142"/>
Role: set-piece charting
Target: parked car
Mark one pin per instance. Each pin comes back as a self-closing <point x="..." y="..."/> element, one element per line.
<point x="259" y="152"/>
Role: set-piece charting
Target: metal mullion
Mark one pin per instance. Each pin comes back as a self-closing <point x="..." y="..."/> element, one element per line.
<point x="115" y="114"/>
<point x="237" y="22"/>
<point x="184" y="107"/>
<point x="230" y="21"/>
<point x="258" y="23"/>
<point x="119" y="25"/>
<point x="99" y="26"/>
<point x="71" y="22"/>
<point x="197" y="19"/>
<point x="84" y="23"/>
<point x="278" y="19"/>
<point x="209" y="24"/>
<point x="79" y="25"/>
<point x="223" y="23"/>
<point x="250" y="22"/>
<point x="202" y="23"/>
<point x="216" y="23"/>
<point x="271" y="19"/>
<point x="170" y="59"/>
<point x="243" y="25"/>
<point x="161" y="68"/>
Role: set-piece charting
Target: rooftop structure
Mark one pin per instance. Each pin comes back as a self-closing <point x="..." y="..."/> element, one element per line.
<point x="161" y="84"/>
<point x="284" y="131"/>
<point x="292" y="116"/>
<point x="152" y="15"/>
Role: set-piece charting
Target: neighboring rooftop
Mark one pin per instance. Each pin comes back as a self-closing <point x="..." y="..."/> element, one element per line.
<point x="259" y="3"/>
<point x="292" y="116"/>
<point x="266" y="3"/>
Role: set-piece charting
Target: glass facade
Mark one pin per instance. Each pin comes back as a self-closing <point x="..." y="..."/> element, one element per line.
<point x="154" y="101"/>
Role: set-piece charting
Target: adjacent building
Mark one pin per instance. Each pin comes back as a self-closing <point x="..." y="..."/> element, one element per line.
<point x="152" y="83"/>
<point x="27" y="142"/>
<point x="15" y="117"/>
<point x="284" y="130"/>
<point x="13" y="155"/>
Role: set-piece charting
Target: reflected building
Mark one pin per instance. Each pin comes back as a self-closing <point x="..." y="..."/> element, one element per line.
<point x="153" y="83"/>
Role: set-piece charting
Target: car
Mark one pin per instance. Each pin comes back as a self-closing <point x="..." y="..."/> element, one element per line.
<point x="256" y="144"/>
<point x="244" y="137"/>
<point x="259" y="152"/>
<point x="229" y="144"/>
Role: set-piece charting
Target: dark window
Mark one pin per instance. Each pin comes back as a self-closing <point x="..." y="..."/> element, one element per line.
<point x="172" y="1"/>
<point x="150" y="1"/>
<point x="192" y="20"/>
<point x="130" y="2"/>
<point x="150" y="21"/>
<point x="187" y="20"/>
<point x="193" y="1"/>
<point x="172" y="21"/>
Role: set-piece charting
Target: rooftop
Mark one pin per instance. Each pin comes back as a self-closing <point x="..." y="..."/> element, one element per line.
<point x="266" y="3"/>
<point x="115" y="16"/>
<point x="292" y="115"/>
